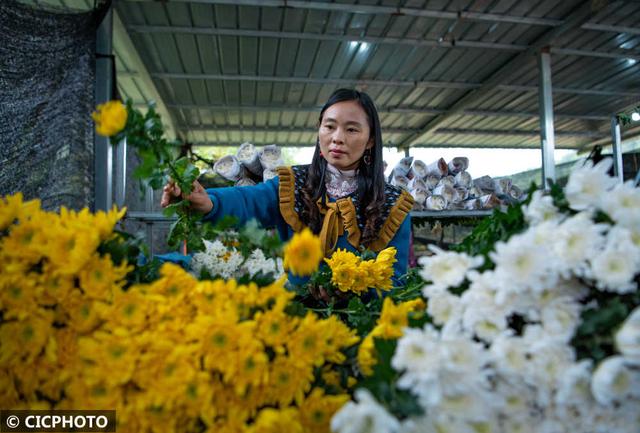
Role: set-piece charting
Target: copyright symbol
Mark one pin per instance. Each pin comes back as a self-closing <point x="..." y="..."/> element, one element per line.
<point x="13" y="421"/>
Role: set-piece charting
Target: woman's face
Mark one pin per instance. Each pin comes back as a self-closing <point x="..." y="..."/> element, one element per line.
<point x="344" y="134"/>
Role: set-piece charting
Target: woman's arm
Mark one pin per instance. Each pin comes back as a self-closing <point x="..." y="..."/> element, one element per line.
<point x="247" y="202"/>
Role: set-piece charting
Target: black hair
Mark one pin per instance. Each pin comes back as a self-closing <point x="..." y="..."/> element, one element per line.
<point x="370" y="177"/>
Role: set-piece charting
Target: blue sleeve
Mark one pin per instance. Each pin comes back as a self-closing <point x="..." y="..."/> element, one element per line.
<point x="247" y="202"/>
<point x="401" y="242"/>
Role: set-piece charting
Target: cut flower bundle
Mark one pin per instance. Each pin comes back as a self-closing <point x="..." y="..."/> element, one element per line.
<point x="541" y="335"/>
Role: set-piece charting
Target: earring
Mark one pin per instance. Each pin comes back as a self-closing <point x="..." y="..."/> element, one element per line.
<point x="367" y="157"/>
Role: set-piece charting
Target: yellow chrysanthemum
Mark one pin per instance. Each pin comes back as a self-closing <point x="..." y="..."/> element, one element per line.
<point x="388" y="255"/>
<point x="56" y="286"/>
<point x="317" y="410"/>
<point x="22" y="341"/>
<point x="394" y="318"/>
<point x="304" y="345"/>
<point x="101" y="277"/>
<point x="366" y="356"/>
<point x="110" y="118"/>
<point x="9" y="396"/>
<point x="13" y="208"/>
<point x="19" y="296"/>
<point x="361" y="280"/>
<point x="251" y="368"/>
<point x="384" y="268"/>
<point x="342" y="257"/>
<point x="91" y="395"/>
<point x="337" y="336"/>
<point x="288" y="380"/>
<point x="343" y="276"/>
<point x="108" y="358"/>
<point x="24" y="241"/>
<point x="130" y="309"/>
<point x="303" y="253"/>
<point x="274" y="327"/>
<point x="79" y="312"/>
<point x="277" y="421"/>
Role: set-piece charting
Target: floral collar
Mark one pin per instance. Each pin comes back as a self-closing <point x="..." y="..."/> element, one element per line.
<point x="340" y="183"/>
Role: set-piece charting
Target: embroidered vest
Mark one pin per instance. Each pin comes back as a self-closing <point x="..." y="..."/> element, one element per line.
<point x="345" y="214"/>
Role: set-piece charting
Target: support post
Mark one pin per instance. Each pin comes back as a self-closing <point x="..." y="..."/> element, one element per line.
<point x="547" y="138"/>
<point x="148" y="208"/>
<point x="616" y="137"/>
<point x="103" y="154"/>
<point x="121" y="173"/>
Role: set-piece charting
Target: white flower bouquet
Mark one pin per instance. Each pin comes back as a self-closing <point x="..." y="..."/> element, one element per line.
<point x="534" y="328"/>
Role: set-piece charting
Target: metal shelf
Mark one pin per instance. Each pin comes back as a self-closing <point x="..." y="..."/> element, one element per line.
<point x="451" y="213"/>
<point x="148" y="217"/>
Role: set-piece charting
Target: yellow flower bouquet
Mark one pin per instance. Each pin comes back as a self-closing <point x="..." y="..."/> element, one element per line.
<point x="172" y="354"/>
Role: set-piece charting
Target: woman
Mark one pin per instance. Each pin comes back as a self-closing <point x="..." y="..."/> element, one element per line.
<point x="341" y="195"/>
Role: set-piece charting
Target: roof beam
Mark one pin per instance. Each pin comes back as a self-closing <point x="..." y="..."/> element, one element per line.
<point x="442" y="131"/>
<point x="420" y="146"/>
<point x="611" y="28"/>
<point x="395" y="83"/>
<point x="327" y="37"/>
<point x="382" y="110"/>
<point x="576" y="18"/>
<point x="422" y="12"/>
<point x="456" y="43"/>
<point x="126" y="50"/>
<point x="383" y="10"/>
<point x="516" y="132"/>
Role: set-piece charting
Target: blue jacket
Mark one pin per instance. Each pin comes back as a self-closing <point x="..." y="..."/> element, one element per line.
<point x="276" y="203"/>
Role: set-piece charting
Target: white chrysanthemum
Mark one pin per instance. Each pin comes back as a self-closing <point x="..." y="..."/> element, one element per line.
<point x="628" y="338"/>
<point x="258" y="263"/>
<point x="230" y="264"/>
<point x="217" y="260"/>
<point x="524" y="424"/>
<point x="509" y="355"/>
<point x="574" y="385"/>
<point x="473" y="406"/>
<point x="561" y="317"/>
<point x="578" y="239"/>
<point x="515" y="395"/>
<point x="613" y="381"/>
<point x="423" y="424"/>
<point x="445" y="269"/>
<point x="622" y="204"/>
<point x="540" y="209"/>
<point x="444" y="307"/>
<point x="453" y="366"/>
<point x="520" y="264"/>
<point x="416" y="350"/>
<point x="626" y="240"/>
<point x="547" y="358"/>
<point x="614" y="271"/>
<point x="482" y="316"/>
<point x="625" y="418"/>
<point x="587" y="185"/>
<point x="365" y="416"/>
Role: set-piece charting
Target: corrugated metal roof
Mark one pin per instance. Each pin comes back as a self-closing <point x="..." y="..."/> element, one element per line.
<point x="443" y="73"/>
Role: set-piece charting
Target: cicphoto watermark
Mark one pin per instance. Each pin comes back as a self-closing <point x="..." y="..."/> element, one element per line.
<point x="57" y="420"/>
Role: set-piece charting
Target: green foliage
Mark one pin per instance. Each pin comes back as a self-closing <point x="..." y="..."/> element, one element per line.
<point x="382" y="382"/>
<point x="363" y="316"/>
<point x="500" y="226"/>
<point x="594" y="338"/>
<point x="624" y="118"/>
<point x="158" y="164"/>
<point x="126" y="247"/>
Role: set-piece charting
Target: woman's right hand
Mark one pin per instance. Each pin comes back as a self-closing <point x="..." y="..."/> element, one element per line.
<point x="200" y="200"/>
